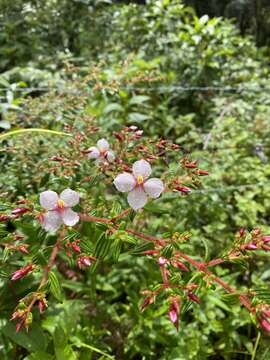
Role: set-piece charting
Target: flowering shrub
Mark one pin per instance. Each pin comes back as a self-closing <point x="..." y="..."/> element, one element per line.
<point x="177" y="286"/>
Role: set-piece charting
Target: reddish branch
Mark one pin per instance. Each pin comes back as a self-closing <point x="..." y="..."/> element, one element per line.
<point x="201" y="266"/>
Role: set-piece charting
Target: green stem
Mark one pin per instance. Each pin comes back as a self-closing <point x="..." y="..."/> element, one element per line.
<point x="22" y="131"/>
<point x="256" y="346"/>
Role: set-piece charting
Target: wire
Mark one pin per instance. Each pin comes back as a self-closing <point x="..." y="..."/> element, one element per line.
<point x="150" y="88"/>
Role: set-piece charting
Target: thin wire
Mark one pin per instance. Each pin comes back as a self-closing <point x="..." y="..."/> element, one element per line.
<point x="150" y="88"/>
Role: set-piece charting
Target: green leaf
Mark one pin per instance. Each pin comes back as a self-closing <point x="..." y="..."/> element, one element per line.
<point x="113" y="107"/>
<point x="103" y="246"/>
<point x="137" y="117"/>
<point x="34" y="340"/>
<point x="55" y="287"/>
<point x="39" y="355"/>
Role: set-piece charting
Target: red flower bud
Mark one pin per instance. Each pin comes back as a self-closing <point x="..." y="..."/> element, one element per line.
<point x="119" y="136"/>
<point x="201" y="172"/>
<point x="265" y="325"/>
<point x="75" y="247"/>
<point x="242" y="232"/>
<point x="174" y="310"/>
<point x="4" y="217"/>
<point x="266" y="239"/>
<point x="181" y="266"/>
<point x="148" y="300"/>
<point x="251" y="246"/>
<point x="193" y="297"/>
<point x="183" y="189"/>
<point x="22" y="272"/>
<point x="20" y="211"/>
<point x="85" y="261"/>
<point x="266" y="247"/>
<point x="266" y="313"/>
<point x="191" y="165"/>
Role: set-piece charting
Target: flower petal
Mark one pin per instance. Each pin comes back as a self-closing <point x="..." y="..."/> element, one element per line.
<point x="93" y="152"/>
<point x="70" y="197"/>
<point x="141" y="168"/>
<point x="48" y="199"/>
<point x="124" y="182"/>
<point x="51" y="221"/>
<point x="153" y="187"/>
<point x="110" y="156"/>
<point x="103" y="145"/>
<point x="137" y="198"/>
<point x="69" y="217"/>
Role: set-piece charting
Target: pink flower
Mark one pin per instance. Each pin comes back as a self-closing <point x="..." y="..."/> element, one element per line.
<point x="59" y="209"/>
<point x="101" y="152"/>
<point x="137" y="185"/>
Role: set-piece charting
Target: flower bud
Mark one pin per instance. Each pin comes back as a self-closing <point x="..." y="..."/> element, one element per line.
<point x="251" y="246"/>
<point x="201" y="172"/>
<point x="85" y="261"/>
<point x="183" y="189"/>
<point x="265" y="325"/>
<point x="20" y="211"/>
<point x="193" y="297"/>
<point x="242" y="232"/>
<point x="162" y="261"/>
<point x="4" y="218"/>
<point x="22" y="272"/>
<point x="266" y="239"/>
<point x="148" y="300"/>
<point x="151" y="252"/>
<point x="266" y="247"/>
<point x="181" y="266"/>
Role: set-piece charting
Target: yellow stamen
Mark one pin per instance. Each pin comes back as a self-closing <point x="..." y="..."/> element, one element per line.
<point x="60" y="204"/>
<point x="139" y="179"/>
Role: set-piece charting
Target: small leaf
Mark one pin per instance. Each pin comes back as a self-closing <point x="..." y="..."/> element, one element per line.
<point x="55" y="287"/>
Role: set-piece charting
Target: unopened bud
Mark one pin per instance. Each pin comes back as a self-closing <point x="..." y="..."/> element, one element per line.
<point x="201" y="172"/>
<point x="251" y="246"/>
<point x="265" y="325"/>
<point x="20" y="211"/>
<point x="242" y="232"/>
<point x="162" y="261"/>
<point x="183" y="189"/>
<point x="22" y="272"/>
<point x="193" y="297"/>
<point x="4" y="218"/>
<point x="181" y="266"/>
<point x="266" y="239"/>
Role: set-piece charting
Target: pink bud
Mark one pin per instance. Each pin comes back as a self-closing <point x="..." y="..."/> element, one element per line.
<point x="75" y="247"/>
<point x="20" y="211"/>
<point x="85" y="261"/>
<point x="201" y="172"/>
<point x="266" y="247"/>
<point x="183" y="189"/>
<point x="266" y="313"/>
<point x="242" y="232"/>
<point x="133" y="127"/>
<point x="148" y="300"/>
<point x="251" y="246"/>
<point x="173" y="316"/>
<point x="265" y="325"/>
<point x="4" y="217"/>
<point x="42" y="304"/>
<point x="181" y="266"/>
<point x="193" y="297"/>
<point x="22" y="272"/>
<point x="162" y="261"/>
<point x="266" y="239"/>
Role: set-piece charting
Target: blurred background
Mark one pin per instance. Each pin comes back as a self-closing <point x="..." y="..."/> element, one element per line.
<point x="195" y="72"/>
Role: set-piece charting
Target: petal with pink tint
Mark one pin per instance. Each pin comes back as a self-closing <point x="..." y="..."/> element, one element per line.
<point x="69" y="217"/>
<point x="93" y="152"/>
<point x="51" y="221"/>
<point x="137" y="198"/>
<point x="70" y="197"/>
<point x="103" y="145"/>
<point x="124" y="182"/>
<point x="141" y="168"/>
<point x="48" y="199"/>
<point x="153" y="187"/>
<point x="110" y="156"/>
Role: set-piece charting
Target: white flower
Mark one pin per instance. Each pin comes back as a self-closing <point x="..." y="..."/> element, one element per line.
<point x="59" y="209"/>
<point x="101" y="152"/>
<point x="137" y="185"/>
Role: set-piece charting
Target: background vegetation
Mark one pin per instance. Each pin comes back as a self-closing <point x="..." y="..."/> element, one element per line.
<point x="196" y="81"/>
